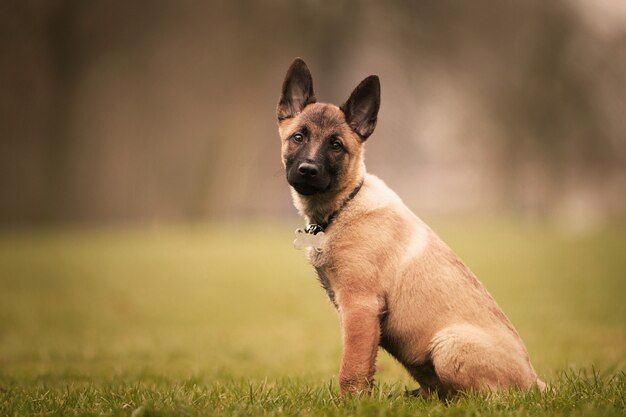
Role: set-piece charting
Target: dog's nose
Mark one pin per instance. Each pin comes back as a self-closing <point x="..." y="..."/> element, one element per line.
<point x="308" y="170"/>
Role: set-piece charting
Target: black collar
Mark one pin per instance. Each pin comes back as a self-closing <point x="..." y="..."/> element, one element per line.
<point x="315" y="228"/>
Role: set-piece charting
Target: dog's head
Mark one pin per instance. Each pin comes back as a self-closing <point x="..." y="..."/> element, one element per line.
<point x="322" y="143"/>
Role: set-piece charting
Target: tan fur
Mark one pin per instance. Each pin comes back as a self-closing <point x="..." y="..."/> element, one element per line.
<point x="397" y="285"/>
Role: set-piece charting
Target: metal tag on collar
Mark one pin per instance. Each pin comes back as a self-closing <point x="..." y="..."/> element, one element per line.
<point x="311" y="237"/>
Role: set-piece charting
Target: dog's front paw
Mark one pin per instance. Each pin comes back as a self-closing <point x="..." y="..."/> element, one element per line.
<point x="355" y="385"/>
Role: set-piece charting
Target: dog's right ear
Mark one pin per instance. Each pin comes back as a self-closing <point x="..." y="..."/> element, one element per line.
<point x="297" y="91"/>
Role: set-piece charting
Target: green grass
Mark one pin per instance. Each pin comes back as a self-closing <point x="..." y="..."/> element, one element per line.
<point x="229" y="320"/>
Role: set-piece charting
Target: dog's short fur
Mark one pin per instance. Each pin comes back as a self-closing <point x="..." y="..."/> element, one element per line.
<point x="393" y="281"/>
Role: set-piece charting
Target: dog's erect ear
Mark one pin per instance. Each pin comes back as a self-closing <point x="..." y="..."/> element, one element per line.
<point x="297" y="91"/>
<point x="361" y="109"/>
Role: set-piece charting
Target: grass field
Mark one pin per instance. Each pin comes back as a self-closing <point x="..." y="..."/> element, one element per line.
<point x="229" y="320"/>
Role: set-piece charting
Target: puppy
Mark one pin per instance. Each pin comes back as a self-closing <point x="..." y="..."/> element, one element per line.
<point x="394" y="282"/>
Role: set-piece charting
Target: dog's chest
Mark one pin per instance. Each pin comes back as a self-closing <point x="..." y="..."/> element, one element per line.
<point x="321" y="262"/>
<point x="325" y="282"/>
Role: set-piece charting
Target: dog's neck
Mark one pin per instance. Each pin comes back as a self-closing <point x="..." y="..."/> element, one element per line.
<point x="319" y="208"/>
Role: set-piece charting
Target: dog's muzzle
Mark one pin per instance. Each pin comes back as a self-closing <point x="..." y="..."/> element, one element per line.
<point x="308" y="178"/>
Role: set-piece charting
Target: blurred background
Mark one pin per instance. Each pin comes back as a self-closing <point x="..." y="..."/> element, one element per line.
<point x="162" y="111"/>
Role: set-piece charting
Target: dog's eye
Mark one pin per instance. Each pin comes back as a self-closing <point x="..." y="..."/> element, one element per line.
<point x="335" y="145"/>
<point x="298" y="138"/>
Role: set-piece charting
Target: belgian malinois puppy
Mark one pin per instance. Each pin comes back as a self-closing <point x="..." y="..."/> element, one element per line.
<point x="393" y="281"/>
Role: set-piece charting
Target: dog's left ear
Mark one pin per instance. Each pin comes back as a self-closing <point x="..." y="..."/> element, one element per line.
<point x="361" y="109"/>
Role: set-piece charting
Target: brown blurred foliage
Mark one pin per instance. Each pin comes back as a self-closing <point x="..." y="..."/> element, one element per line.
<point x="164" y="110"/>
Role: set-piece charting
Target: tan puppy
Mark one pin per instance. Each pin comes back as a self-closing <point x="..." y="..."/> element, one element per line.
<point x="394" y="283"/>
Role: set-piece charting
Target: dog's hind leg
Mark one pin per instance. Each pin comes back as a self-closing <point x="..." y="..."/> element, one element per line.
<point x="429" y="382"/>
<point x="468" y="358"/>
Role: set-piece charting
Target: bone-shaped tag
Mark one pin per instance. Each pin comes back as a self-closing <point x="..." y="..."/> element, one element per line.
<point x="309" y="240"/>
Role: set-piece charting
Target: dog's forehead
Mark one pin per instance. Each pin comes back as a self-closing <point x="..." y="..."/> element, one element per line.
<point x="319" y="119"/>
<point x="325" y="117"/>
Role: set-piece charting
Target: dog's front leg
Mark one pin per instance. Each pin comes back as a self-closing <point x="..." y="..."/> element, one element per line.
<point x="360" y="327"/>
